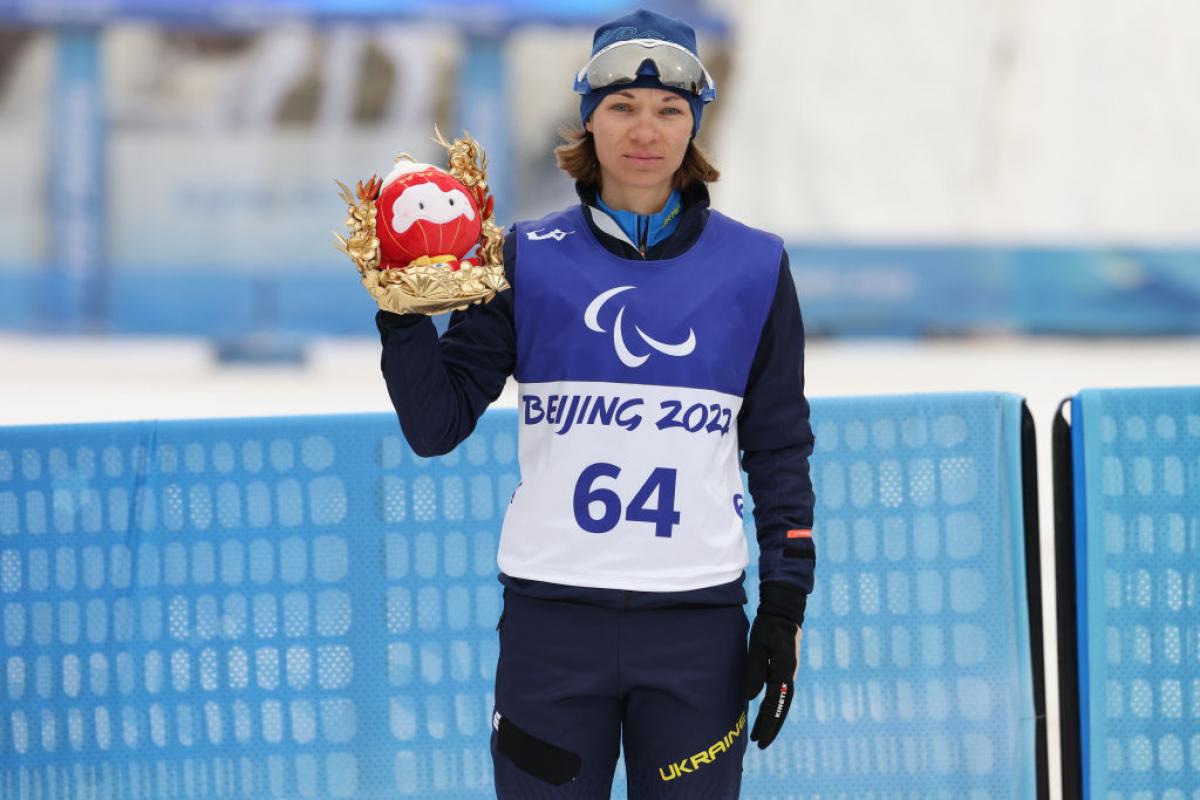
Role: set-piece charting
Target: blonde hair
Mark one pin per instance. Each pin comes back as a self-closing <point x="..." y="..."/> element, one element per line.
<point x="576" y="156"/>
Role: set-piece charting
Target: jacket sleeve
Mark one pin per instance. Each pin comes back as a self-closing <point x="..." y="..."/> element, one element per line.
<point x="440" y="387"/>
<point x="776" y="440"/>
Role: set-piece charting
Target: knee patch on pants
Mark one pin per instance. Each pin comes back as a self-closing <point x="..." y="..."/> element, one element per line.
<point x="541" y="759"/>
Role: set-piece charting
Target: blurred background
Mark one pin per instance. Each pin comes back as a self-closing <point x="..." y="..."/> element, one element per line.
<point x="992" y="194"/>
<point x="976" y="194"/>
<point x="938" y="168"/>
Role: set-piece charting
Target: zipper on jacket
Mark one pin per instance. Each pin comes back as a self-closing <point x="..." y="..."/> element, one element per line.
<point x="628" y="599"/>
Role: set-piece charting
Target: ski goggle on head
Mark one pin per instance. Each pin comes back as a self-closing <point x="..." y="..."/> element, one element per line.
<point x="678" y="68"/>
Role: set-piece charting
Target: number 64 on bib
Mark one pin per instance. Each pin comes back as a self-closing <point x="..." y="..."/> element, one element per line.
<point x="589" y="497"/>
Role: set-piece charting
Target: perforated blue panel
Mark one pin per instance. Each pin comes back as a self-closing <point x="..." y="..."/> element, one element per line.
<point x="302" y="608"/>
<point x="916" y="674"/>
<point x="1137" y="516"/>
<point x="256" y="608"/>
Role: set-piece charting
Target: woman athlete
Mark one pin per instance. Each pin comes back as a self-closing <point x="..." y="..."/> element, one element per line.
<point x="658" y="349"/>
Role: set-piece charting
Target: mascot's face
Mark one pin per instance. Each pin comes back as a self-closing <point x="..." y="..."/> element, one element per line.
<point x="425" y="211"/>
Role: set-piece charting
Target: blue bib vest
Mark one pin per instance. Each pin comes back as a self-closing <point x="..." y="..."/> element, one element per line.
<point x="631" y="379"/>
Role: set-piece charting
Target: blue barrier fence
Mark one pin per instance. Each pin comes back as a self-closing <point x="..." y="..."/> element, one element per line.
<point x="1134" y="544"/>
<point x="300" y="607"/>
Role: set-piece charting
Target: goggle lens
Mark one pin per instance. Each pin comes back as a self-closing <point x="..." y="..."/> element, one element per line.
<point x="619" y="63"/>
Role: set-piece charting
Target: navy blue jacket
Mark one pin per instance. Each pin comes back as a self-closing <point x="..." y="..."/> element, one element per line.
<point x="440" y="388"/>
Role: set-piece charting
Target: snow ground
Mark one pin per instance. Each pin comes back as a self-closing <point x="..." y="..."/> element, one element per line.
<point x="57" y="380"/>
<point x="88" y="379"/>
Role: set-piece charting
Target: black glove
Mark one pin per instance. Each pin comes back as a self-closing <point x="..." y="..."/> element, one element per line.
<point x="772" y="661"/>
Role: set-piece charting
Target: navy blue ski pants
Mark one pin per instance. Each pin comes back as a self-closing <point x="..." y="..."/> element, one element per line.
<point x="575" y="681"/>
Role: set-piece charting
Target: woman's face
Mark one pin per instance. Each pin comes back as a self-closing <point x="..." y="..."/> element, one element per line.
<point x="641" y="137"/>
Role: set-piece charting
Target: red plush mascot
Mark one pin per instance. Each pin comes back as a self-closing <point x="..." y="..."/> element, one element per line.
<point x="425" y="216"/>
<point x="409" y="234"/>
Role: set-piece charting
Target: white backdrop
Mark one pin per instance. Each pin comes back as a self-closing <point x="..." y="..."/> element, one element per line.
<point x="1017" y="120"/>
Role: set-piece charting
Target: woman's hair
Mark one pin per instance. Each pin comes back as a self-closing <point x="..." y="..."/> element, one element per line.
<point x="577" y="157"/>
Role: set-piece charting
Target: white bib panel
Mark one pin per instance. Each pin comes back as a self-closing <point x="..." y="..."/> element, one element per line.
<point x="605" y="469"/>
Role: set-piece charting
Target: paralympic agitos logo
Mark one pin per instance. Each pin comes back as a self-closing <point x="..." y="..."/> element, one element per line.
<point x="628" y="357"/>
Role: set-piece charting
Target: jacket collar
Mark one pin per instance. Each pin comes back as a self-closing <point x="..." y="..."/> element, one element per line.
<point x="695" y="201"/>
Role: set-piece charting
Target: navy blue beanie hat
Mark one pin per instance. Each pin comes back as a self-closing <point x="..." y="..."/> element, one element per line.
<point x="642" y="24"/>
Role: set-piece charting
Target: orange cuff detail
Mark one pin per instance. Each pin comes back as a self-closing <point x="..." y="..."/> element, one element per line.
<point x="800" y="533"/>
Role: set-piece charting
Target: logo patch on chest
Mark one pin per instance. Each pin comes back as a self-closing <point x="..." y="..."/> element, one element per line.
<point x="630" y="359"/>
